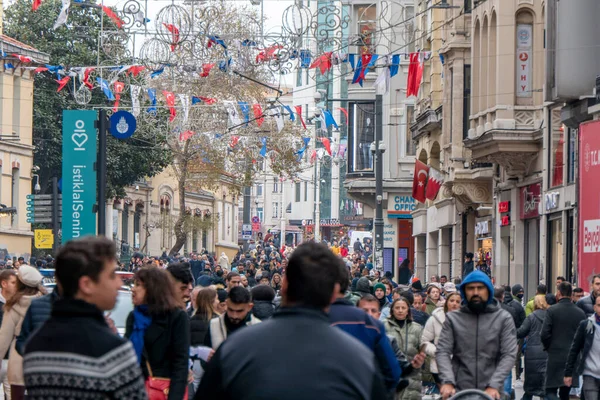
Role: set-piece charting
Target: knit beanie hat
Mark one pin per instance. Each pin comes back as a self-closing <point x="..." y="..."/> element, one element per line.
<point x="379" y="285"/>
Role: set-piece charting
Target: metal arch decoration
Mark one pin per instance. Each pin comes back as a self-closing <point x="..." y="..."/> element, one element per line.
<point x="296" y="20"/>
<point x="115" y="44"/>
<point x="83" y="95"/>
<point x="173" y="17"/>
<point x="133" y="16"/>
<point x="328" y="31"/>
<point x="155" y="54"/>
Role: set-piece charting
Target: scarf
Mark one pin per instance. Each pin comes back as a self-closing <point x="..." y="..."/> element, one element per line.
<point x="400" y="322"/>
<point x="141" y="322"/>
<point x="597" y="319"/>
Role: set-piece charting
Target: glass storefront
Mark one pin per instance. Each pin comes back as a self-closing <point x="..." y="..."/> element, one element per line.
<point x="555" y="261"/>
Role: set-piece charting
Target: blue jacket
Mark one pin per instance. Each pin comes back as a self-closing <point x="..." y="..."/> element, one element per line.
<point x="354" y="321"/>
<point x="37" y="313"/>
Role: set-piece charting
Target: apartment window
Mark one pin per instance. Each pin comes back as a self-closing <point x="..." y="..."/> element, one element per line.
<point x="557" y="156"/>
<point x="411" y="149"/>
<point x="260" y="213"/>
<point x="410" y="29"/>
<point x="259" y="190"/>
<point x="299" y="77"/>
<point x="361" y="134"/>
<point x="572" y="163"/>
<point x="275" y="210"/>
<point x="466" y="100"/>
<point x="468" y="6"/>
<point x="305" y="191"/>
<point x="298" y="194"/>
<point x="274" y="185"/>
<point x="367" y="26"/>
<point x="15" y="194"/>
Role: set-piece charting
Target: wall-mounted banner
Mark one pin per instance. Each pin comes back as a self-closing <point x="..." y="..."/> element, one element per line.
<point x="78" y="175"/>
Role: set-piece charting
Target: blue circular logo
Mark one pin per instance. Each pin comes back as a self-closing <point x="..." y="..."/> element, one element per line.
<point x="122" y="125"/>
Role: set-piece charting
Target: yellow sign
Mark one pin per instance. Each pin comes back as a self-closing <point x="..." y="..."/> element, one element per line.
<point x="44" y="239"/>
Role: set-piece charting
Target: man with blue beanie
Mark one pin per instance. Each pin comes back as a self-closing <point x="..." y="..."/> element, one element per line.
<point x="478" y="344"/>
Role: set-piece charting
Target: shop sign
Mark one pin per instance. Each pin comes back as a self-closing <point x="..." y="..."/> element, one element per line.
<point x="324" y="222"/>
<point x="482" y="228"/>
<point x="504" y="207"/>
<point x="389" y="232"/>
<point x="401" y="206"/>
<point x="589" y="198"/>
<point x="523" y="59"/>
<point x="530" y="197"/>
<point x="505" y="220"/>
<point x="551" y="200"/>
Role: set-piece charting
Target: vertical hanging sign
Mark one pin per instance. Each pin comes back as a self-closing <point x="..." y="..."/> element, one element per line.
<point x="78" y="174"/>
<point x="524" y="47"/>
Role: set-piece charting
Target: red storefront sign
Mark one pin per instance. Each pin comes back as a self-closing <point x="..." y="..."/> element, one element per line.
<point x="504" y="207"/>
<point x="589" y="202"/>
<point x="530" y="197"/>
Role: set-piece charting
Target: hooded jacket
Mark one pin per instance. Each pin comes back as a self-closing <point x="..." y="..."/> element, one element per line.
<point x="363" y="286"/>
<point x="476" y="351"/>
<point x="518" y="313"/>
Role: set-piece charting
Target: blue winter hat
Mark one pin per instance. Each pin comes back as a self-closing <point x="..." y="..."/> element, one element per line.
<point x="480" y="277"/>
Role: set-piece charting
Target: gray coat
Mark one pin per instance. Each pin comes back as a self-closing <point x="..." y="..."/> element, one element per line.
<point x="535" y="356"/>
<point x="560" y="325"/>
<point x="477" y="351"/>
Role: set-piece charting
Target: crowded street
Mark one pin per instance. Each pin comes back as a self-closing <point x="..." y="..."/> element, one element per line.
<point x="296" y="199"/>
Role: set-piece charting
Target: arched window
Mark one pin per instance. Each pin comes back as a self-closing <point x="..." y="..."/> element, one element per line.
<point x="476" y="68"/>
<point x="483" y="71"/>
<point x="165" y="221"/>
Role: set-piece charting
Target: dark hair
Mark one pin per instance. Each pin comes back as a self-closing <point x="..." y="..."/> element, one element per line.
<point x="181" y="272"/>
<point x="6" y="274"/>
<point x="576" y="290"/>
<point x="398" y="290"/>
<point x="499" y="293"/>
<point x="343" y="278"/>
<point x="449" y="297"/>
<point x="404" y="299"/>
<point x="410" y="296"/>
<point x="82" y="257"/>
<point x="263" y="293"/>
<point x="239" y="295"/>
<point x="550" y="299"/>
<point x="231" y="275"/>
<point x="565" y="289"/>
<point x="443" y="276"/>
<point x="597" y="276"/>
<point x="311" y="275"/>
<point x="562" y="278"/>
<point x="160" y="291"/>
<point x="469" y="256"/>
<point x="542" y="289"/>
<point x="457" y="280"/>
<point x="369" y="298"/>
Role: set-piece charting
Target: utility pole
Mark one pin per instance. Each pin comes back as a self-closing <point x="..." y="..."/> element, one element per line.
<point x="55" y="211"/>
<point x="283" y="217"/>
<point x="246" y="213"/>
<point x="101" y="171"/>
<point x="378" y="223"/>
<point x="317" y="201"/>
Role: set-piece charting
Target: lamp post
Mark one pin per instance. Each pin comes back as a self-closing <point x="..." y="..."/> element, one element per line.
<point x="378" y="148"/>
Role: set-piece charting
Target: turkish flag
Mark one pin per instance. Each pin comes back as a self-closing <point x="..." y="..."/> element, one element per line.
<point x="170" y="99"/>
<point x="434" y="183"/>
<point x="420" y="181"/>
<point x="327" y="144"/>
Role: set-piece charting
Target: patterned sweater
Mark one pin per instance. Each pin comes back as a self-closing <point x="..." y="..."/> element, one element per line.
<point x="74" y="355"/>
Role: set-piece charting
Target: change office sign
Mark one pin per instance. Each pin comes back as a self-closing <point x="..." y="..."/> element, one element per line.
<point x="78" y="174"/>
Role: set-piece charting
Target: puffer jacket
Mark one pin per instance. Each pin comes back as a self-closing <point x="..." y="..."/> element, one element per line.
<point x="587" y="304"/>
<point x="409" y="341"/>
<point x="11" y="327"/>
<point x="476" y="351"/>
<point x="37" y="313"/>
<point x="430" y="305"/>
<point x="263" y="309"/>
<point x="431" y="335"/>
<point x="535" y="356"/>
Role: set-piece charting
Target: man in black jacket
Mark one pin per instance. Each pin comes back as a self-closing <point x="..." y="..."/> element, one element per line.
<point x="587" y="303"/>
<point x="296" y="355"/>
<point x="557" y="333"/>
<point x="75" y="355"/>
<point x="468" y="266"/>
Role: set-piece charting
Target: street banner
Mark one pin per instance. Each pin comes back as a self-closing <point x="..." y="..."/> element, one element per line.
<point x="78" y="174"/>
<point x="589" y="203"/>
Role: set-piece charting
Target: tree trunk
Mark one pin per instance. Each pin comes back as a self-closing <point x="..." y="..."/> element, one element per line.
<point x="179" y="228"/>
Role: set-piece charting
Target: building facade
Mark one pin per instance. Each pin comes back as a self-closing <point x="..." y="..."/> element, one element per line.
<point x="16" y="147"/>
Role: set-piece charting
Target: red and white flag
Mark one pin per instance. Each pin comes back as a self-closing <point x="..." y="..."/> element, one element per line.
<point x="170" y="100"/>
<point x="420" y="181"/>
<point x="434" y="183"/>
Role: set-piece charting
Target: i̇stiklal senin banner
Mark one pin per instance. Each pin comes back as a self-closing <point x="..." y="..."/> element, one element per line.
<point x="78" y="174"/>
<point x="589" y="202"/>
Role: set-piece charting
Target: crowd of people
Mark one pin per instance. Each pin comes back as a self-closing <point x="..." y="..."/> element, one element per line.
<point x="281" y="323"/>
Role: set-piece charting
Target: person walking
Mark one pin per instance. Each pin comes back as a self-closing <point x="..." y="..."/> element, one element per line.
<point x="478" y="345"/>
<point x="28" y="287"/>
<point x="468" y="266"/>
<point x="433" y="297"/>
<point x="263" y="297"/>
<point x="379" y="291"/>
<point x="207" y="303"/>
<point x="404" y="272"/>
<point x="159" y="329"/>
<point x="558" y="330"/>
<point x="535" y="356"/>
<point x="258" y="362"/>
<point x="75" y="355"/>
<point x="588" y="302"/>
<point x="408" y="335"/>
<point x="587" y="344"/>
<point x="433" y="330"/>
<point x="8" y="285"/>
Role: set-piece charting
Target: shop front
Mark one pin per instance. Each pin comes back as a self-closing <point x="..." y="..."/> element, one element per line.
<point x="399" y="242"/>
<point x="529" y="213"/>
<point x="483" y="235"/>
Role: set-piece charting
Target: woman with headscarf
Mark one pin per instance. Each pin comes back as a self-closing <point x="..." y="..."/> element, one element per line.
<point x="224" y="260"/>
<point x="433" y="330"/>
<point x="159" y="330"/>
<point x="29" y="287"/>
<point x="400" y="326"/>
